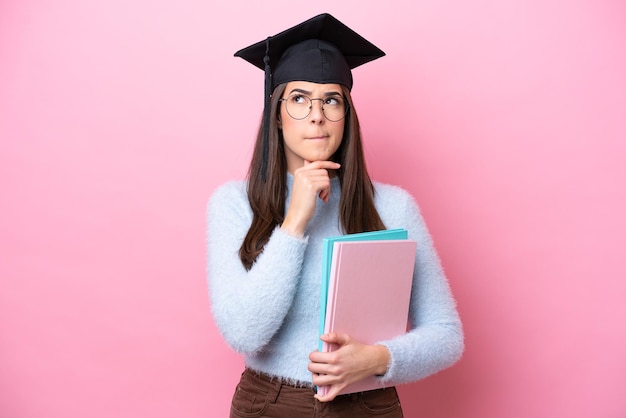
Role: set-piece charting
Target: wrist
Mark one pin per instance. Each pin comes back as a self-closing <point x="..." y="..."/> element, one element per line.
<point x="385" y="360"/>
<point x="293" y="228"/>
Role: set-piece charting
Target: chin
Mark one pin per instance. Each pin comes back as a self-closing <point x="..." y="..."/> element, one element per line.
<point x="320" y="156"/>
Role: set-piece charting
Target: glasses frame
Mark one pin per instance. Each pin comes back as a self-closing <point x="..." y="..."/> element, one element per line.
<point x="311" y="99"/>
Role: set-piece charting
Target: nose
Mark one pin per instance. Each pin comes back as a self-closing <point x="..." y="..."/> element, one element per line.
<point x="317" y="111"/>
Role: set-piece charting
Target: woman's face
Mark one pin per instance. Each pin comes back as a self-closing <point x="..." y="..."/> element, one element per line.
<point x="315" y="137"/>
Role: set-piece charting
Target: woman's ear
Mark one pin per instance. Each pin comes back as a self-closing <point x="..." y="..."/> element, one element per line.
<point x="279" y="123"/>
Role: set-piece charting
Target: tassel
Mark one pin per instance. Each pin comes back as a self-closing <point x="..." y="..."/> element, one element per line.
<point x="266" y="109"/>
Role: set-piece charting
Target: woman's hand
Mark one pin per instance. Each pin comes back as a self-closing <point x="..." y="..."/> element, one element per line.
<point x="350" y="363"/>
<point x="309" y="182"/>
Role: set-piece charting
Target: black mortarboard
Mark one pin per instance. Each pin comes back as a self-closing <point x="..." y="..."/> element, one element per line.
<point x="319" y="50"/>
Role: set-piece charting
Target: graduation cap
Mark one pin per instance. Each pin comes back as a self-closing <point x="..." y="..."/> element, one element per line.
<point x="320" y="50"/>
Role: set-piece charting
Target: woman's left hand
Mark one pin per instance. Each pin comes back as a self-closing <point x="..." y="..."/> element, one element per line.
<point x="348" y="364"/>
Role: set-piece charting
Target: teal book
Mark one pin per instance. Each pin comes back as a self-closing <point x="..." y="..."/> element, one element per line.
<point x="327" y="257"/>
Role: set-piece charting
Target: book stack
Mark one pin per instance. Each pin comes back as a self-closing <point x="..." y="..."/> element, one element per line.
<point x="366" y="290"/>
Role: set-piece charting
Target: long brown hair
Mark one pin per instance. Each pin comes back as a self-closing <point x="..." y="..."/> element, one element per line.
<point x="267" y="198"/>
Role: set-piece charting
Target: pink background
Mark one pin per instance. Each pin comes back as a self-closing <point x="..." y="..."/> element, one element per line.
<point x="118" y="119"/>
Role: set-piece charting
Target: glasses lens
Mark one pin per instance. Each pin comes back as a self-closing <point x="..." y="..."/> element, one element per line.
<point x="298" y="106"/>
<point x="334" y="108"/>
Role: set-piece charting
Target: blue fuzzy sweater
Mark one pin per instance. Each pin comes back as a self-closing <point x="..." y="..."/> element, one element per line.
<point x="270" y="314"/>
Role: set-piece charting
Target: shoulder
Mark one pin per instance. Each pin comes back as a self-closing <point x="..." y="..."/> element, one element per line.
<point x="389" y="189"/>
<point x="230" y="195"/>
<point x="395" y="205"/>
<point x="229" y="190"/>
<point x="391" y="195"/>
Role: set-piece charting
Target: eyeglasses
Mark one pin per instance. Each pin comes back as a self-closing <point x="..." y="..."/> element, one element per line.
<point x="299" y="106"/>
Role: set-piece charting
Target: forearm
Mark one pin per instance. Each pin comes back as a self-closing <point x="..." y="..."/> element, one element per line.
<point x="248" y="306"/>
<point x="423" y="352"/>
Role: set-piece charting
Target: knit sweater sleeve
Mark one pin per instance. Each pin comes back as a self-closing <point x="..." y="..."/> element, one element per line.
<point x="435" y="340"/>
<point x="248" y="306"/>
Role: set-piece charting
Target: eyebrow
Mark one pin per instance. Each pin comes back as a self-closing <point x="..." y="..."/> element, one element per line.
<point x="308" y="93"/>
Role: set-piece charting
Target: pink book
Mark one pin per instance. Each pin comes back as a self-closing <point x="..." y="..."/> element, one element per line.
<point x="368" y="295"/>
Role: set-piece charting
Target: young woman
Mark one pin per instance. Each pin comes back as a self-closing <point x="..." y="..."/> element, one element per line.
<point x="307" y="181"/>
